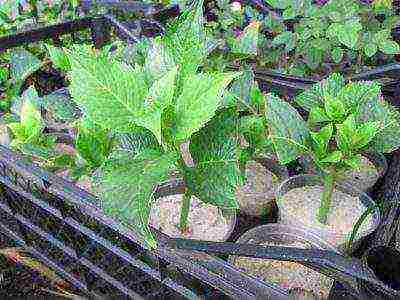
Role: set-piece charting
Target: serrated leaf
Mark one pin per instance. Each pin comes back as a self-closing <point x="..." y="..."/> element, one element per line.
<point x="158" y="60"/>
<point x="389" y="47"/>
<point x="159" y="97"/>
<point x="317" y="115"/>
<point x="335" y="108"/>
<point x="109" y="93"/>
<point x="357" y="93"/>
<point x="282" y="38"/>
<point x="59" y="58"/>
<point x="365" y="134"/>
<point x="93" y="143"/>
<point x="370" y="49"/>
<point x="126" y="185"/>
<point x="333" y="157"/>
<point x="354" y="162"/>
<point x="288" y="131"/>
<point x="241" y="89"/>
<point x="321" y="139"/>
<point x="315" y="96"/>
<point x="247" y="42"/>
<point x="216" y="175"/>
<point x="200" y="98"/>
<point x="348" y="33"/>
<point x="337" y="54"/>
<point x="23" y="64"/>
<point x="138" y="140"/>
<point x="345" y="133"/>
<point x="60" y="104"/>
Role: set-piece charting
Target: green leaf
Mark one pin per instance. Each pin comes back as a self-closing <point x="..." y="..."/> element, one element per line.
<point x="126" y="185"/>
<point x="389" y="47"/>
<point x="247" y="42"/>
<point x="370" y="49"/>
<point x="60" y="105"/>
<point x="159" y="97"/>
<point x="345" y="134"/>
<point x="317" y="115"/>
<point x="282" y="38"/>
<point x="23" y="64"/>
<point x="138" y="140"/>
<point x="289" y="132"/>
<point x="216" y="175"/>
<point x="158" y="60"/>
<point x="254" y="130"/>
<point x="186" y="41"/>
<point x="365" y="134"/>
<point x="348" y="33"/>
<point x="315" y="96"/>
<point x="241" y="88"/>
<point x="200" y="98"/>
<point x="335" y="109"/>
<point x="357" y="93"/>
<point x="321" y="139"/>
<point x="354" y="161"/>
<point x="93" y="143"/>
<point x="334" y="157"/>
<point x="59" y="58"/>
<point x="289" y="13"/>
<point x="337" y="54"/>
<point x="31" y="118"/>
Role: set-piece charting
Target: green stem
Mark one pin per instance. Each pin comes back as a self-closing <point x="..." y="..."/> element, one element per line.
<point x="183" y="221"/>
<point x="329" y="184"/>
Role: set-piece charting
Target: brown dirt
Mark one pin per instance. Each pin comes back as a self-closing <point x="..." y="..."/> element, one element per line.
<point x="259" y="191"/>
<point x="299" y="206"/>
<point x="206" y="222"/>
<point x="286" y="274"/>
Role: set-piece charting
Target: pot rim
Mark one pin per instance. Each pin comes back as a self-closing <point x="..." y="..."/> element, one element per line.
<point x="366" y="200"/>
<point x="177" y="186"/>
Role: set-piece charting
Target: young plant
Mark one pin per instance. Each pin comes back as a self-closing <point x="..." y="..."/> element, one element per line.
<point x="154" y="109"/>
<point x="344" y="120"/>
<point x="327" y="35"/>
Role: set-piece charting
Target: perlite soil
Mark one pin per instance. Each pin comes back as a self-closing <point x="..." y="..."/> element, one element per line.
<point x="205" y="222"/>
<point x="286" y="274"/>
<point x="256" y="195"/>
<point x="301" y="205"/>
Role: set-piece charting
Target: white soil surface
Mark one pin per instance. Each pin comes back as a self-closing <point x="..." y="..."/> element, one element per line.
<point x="299" y="206"/>
<point x="256" y="195"/>
<point x="205" y="222"/>
<point x="288" y="275"/>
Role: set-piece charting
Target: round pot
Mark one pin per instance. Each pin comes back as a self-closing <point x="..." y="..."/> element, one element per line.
<point x="288" y="275"/>
<point x="298" y="200"/>
<point x="364" y="179"/>
<point x="204" y="219"/>
<point x="256" y="197"/>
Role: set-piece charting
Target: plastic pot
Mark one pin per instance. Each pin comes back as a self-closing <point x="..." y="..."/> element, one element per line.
<point x="177" y="186"/>
<point x="285" y="236"/>
<point x="304" y="216"/>
<point x="377" y="159"/>
<point x="261" y="202"/>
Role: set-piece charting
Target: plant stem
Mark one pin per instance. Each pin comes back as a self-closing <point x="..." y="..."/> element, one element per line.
<point x="183" y="221"/>
<point x="329" y="184"/>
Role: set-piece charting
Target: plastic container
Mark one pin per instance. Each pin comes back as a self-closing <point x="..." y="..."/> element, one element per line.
<point x="177" y="186"/>
<point x="284" y="235"/>
<point x="262" y="203"/>
<point x="337" y="239"/>
<point x="377" y="159"/>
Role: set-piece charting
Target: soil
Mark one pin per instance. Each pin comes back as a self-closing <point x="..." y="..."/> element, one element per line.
<point x="288" y="275"/>
<point x="256" y="196"/>
<point x="364" y="178"/>
<point x="299" y="206"/>
<point x="206" y="222"/>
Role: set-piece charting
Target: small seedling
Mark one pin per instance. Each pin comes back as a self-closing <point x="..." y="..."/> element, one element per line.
<point x="344" y="120"/>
